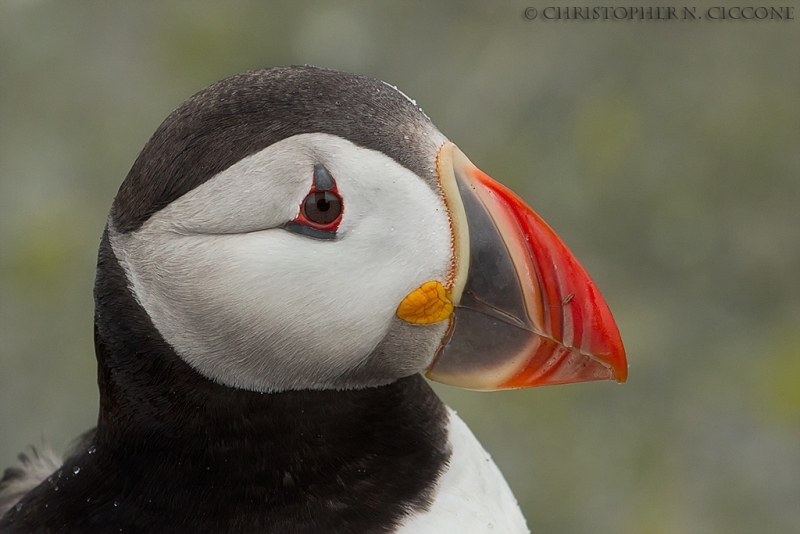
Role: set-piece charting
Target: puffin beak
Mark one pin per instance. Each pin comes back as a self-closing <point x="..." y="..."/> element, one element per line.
<point x="525" y="312"/>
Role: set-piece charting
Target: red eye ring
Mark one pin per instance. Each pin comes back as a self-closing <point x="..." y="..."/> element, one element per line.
<point x="321" y="210"/>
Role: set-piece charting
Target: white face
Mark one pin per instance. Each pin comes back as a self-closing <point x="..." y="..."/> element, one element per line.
<point x="251" y="305"/>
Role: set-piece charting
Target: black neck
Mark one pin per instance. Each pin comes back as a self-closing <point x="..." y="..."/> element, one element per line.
<point x="175" y="452"/>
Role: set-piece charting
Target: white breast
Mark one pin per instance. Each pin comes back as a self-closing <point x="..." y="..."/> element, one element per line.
<point x="472" y="497"/>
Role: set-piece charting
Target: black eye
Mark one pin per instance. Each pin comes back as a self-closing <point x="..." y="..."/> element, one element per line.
<point x="322" y="207"/>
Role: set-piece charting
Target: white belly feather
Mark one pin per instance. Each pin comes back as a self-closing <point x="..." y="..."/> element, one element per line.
<point x="472" y="496"/>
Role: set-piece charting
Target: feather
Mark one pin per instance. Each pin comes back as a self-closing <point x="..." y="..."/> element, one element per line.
<point x="33" y="470"/>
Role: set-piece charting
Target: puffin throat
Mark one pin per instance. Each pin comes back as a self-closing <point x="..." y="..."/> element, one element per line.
<point x="160" y="419"/>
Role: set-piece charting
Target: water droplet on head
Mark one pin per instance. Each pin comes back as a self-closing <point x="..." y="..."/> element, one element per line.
<point x="116" y="504"/>
<point x="92" y="450"/>
<point x="18" y="507"/>
<point x="76" y="470"/>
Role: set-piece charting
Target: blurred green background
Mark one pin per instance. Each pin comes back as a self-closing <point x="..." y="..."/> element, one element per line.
<point x="666" y="154"/>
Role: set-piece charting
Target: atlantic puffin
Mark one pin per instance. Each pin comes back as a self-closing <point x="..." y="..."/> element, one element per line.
<point x="291" y="251"/>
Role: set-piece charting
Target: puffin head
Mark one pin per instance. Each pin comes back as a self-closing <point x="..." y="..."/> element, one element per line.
<point x="303" y="228"/>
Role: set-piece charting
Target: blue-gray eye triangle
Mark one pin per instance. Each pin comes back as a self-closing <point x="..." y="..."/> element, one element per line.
<point x="323" y="181"/>
<point x="302" y="229"/>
